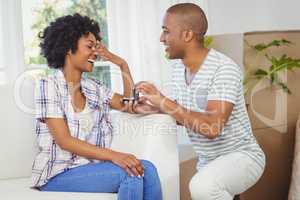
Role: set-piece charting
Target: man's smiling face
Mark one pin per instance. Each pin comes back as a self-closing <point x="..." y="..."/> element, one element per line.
<point x="171" y="37"/>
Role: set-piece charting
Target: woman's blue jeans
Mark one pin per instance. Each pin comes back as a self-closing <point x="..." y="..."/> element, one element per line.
<point x="107" y="177"/>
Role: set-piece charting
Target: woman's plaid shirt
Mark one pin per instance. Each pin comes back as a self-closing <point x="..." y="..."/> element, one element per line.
<point x="51" y="101"/>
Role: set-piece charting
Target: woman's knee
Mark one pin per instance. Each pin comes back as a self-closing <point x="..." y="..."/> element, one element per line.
<point x="150" y="171"/>
<point x="151" y="179"/>
<point x="149" y="166"/>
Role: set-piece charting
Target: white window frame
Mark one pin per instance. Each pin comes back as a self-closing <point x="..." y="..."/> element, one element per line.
<point x="97" y="64"/>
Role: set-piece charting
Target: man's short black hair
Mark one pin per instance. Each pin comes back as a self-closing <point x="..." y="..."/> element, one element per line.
<point x="191" y="16"/>
<point x="63" y="34"/>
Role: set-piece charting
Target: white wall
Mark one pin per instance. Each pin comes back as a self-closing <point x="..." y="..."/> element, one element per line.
<point x="239" y="16"/>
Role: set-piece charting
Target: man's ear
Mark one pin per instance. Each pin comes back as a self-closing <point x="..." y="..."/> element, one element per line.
<point x="188" y="35"/>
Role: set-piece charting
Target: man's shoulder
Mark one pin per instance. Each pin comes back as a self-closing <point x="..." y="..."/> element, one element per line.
<point x="224" y="62"/>
<point x="221" y="58"/>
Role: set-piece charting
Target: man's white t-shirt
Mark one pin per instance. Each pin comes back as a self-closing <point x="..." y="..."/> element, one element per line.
<point x="219" y="78"/>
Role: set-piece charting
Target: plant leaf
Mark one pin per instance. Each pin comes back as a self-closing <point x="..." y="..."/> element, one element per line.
<point x="281" y="84"/>
<point x="284" y="41"/>
<point x="208" y="41"/>
<point x="260" y="47"/>
<point x="260" y="73"/>
<point x="284" y="87"/>
<point x="276" y="43"/>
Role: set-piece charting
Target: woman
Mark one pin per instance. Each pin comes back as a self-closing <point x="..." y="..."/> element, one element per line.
<point x="72" y="120"/>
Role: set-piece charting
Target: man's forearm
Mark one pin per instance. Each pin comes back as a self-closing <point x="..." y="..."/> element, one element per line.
<point x="202" y="123"/>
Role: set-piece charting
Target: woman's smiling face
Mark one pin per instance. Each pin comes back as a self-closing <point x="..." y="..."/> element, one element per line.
<point x="86" y="53"/>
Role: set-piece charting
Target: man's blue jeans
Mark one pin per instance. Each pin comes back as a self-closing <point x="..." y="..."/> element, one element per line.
<point x="107" y="177"/>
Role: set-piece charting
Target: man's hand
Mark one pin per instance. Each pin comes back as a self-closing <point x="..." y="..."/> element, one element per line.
<point x="150" y="93"/>
<point x="144" y="107"/>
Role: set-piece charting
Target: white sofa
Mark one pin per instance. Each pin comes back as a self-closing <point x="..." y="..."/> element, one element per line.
<point x="151" y="137"/>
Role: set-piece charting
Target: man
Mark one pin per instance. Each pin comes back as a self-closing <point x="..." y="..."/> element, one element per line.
<point x="207" y="100"/>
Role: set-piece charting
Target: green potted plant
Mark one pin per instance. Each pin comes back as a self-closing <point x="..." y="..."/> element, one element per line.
<point x="272" y="72"/>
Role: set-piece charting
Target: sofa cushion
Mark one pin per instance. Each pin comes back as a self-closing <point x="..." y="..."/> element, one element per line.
<point x="17" y="131"/>
<point x="8" y="190"/>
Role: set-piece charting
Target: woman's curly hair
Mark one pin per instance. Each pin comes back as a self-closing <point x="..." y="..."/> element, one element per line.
<point x="63" y="34"/>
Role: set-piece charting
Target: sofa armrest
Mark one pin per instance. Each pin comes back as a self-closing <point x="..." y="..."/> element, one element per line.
<point x="294" y="191"/>
<point x="150" y="137"/>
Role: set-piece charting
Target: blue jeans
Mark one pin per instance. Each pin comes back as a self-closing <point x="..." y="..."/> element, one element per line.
<point x="107" y="177"/>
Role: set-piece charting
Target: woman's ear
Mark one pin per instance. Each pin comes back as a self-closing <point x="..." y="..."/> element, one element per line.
<point x="68" y="55"/>
<point x="69" y="52"/>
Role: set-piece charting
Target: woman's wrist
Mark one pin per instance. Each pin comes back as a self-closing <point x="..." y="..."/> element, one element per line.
<point x="118" y="61"/>
<point x="109" y="154"/>
<point x="123" y="65"/>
